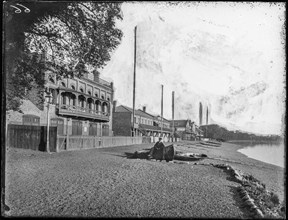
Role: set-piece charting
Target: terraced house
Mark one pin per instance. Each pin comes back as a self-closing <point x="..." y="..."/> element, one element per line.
<point x="145" y="124"/>
<point x="187" y="130"/>
<point x="78" y="107"/>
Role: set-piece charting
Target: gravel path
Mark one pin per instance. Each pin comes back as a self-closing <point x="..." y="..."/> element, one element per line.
<point x="105" y="183"/>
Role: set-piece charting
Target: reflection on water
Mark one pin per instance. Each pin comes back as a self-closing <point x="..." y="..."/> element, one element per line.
<point x="269" y="152"/>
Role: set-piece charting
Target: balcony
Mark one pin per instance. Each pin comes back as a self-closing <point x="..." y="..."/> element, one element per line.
<point x="71" y="110"/>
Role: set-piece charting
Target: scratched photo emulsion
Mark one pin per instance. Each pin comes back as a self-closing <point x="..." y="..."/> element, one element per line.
<point x="143" y="109"/>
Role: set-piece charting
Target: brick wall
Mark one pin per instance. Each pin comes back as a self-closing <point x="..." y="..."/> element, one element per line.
<point x="121" y="125"/>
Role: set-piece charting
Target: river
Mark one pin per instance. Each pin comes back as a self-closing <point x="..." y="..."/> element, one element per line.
<point x="272" y="153"/>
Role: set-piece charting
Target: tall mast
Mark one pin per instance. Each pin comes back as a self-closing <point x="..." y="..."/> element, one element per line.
<point x="161" y="109"/>
<point x="200" y="114"/>
<point x="173" y="112"/>
<point x="134" y="83"/>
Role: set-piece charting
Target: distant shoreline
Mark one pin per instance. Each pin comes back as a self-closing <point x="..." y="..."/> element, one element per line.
<point x="253" y="141"/>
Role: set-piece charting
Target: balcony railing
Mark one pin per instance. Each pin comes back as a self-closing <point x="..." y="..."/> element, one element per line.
<point x="83" y="112"/>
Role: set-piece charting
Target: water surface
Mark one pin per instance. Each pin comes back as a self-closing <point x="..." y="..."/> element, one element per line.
<point x="272" y="153"/>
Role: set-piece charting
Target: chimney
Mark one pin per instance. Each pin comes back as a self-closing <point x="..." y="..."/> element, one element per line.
<point x="114" y="105"/>
<point x="144" y="108"/>
<point x="96" y="75"/>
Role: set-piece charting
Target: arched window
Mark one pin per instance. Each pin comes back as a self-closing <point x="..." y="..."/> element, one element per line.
<point x="90" y="104"/>
<point x="63" y="98"/>
<point x="89" y="92"/>
<point x="73" y="87"/>
<point x="63" y="84"/>
<point x="81" y="90"/>
<point x="108" y="99"/>
<point x="81" y="101"/>
<point x="102" y="96"/>
<point x="97" y="106"/>
<point x="105" y="108"/>
<point x="96" y="95"/>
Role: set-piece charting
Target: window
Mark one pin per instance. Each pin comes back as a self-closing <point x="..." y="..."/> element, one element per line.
<point x="81" y="101"/>
<point x="102" y="96"/>
<point x="96" y="95"/>
<point x="89" y="92"/>
<point x="76" y="127"/>
<point x="63" y="84"/>
<point x="30" y="120"/>
<point x="81" y="90"/>
<point x="93" y="129"/>
<point x="105" y="130"/>
<point x="59" y="123"/>
<point x="73" y="87"/>
<point x="63" y="97"/>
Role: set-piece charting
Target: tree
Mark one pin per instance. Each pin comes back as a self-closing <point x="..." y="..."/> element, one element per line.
<point x="68" y="38"/>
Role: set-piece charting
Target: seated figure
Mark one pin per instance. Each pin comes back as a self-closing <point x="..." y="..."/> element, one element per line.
<point x="156" y="151"/>
<point x="160" y="152"/>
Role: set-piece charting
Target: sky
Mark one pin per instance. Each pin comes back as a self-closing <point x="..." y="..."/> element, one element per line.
<point x="228" y="56"/>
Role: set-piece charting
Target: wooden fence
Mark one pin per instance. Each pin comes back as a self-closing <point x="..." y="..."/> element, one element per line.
<point x="31" y="137"/>
<point x="35" y="138"/>
<point x="88" y="142"/>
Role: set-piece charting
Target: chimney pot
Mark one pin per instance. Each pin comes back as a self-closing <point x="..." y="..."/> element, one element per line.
<point x="96" y="75"/>
<point x="144" y="108"/>
<point x="114" y="105"/>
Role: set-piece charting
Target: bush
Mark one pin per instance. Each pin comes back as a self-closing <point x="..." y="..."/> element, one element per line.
<point x="275" y="199"/>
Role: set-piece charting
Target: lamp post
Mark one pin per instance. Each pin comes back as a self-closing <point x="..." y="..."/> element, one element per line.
<point x="48" y="98"/>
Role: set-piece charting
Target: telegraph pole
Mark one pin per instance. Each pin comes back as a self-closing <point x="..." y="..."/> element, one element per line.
<point x="206" y="121"/>
<point x="161" y="109"/>
<point x="134" y="83"/>
<point x="173" y="114"/>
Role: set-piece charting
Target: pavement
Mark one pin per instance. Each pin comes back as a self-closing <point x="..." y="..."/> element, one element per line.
<point x="106" y="183"/>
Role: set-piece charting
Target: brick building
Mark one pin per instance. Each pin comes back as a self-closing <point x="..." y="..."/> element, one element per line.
<point x="145" y="124"/>
<point x="79" y="106"/>
<point x="187" y="130"/>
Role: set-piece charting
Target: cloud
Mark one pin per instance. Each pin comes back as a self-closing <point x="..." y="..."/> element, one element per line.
<point x="228" y="56"/>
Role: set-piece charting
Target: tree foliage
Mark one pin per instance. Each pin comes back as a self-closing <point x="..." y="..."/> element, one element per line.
<point x="69" y="38"/>
<point x="217" y="132"/>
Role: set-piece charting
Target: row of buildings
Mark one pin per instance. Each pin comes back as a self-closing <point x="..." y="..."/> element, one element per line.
<point x="86" y="106"/>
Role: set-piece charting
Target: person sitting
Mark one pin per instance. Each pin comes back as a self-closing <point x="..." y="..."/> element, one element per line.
<point x="157" y="151"/>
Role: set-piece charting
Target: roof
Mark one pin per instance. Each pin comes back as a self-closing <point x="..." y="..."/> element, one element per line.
<point x="145" y="114"/>
<point x="164" y="119"/>
<point x="180" y="123"/>
<point x="138" y="112"/>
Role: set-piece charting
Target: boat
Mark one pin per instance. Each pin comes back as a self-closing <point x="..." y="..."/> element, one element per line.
<point x="189" y="156"/>
<point x="211" y="143"/>
<point x="169" y="152"/>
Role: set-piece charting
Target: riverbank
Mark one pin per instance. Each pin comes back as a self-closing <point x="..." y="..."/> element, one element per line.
<point x="106" y="183"/>
<point x="271" y="175"/>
